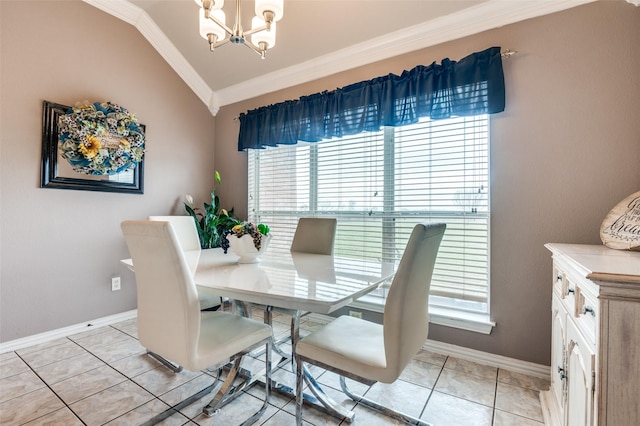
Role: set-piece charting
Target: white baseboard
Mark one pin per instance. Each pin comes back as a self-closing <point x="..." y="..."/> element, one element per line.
<point x="486" y="358"/>
<point x="36" y="339"/>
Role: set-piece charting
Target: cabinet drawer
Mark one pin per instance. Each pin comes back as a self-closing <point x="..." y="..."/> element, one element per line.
<point x="586" y="311"/>
<point x="578" y="296"/>
<point x="568" y="298"/>
<point x="564" y="286"/>
<point x="558" y="278"/>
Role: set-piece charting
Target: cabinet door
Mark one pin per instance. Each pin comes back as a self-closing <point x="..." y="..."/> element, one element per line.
<point x="580" y="368"/>
<point x="558" y="364"/>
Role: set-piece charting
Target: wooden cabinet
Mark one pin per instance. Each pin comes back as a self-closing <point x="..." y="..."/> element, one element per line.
<point x="558" y="388"/>
<point x="595" y="348"/>
<point x="580" y="379"/>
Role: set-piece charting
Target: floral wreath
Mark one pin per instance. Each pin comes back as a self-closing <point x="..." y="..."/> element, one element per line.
<point x="100" y="138"/>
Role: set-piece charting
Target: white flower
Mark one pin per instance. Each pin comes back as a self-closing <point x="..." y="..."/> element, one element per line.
<point x="189" y="200"/>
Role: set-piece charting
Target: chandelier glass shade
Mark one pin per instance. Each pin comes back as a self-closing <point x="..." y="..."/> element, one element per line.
<point x="259" y="38"/>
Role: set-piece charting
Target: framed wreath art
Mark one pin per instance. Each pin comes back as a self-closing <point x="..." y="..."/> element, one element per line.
<point x="92" y="146"/>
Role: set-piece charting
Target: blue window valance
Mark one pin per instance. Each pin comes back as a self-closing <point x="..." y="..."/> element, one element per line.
<point x="471" y="86"/>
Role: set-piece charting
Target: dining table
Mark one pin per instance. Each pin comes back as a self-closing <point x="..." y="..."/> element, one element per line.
<point x="299" y="283"/>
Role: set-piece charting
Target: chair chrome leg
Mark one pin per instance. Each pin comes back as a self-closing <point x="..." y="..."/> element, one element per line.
<point x="169" y="364"/>
<point x="405" y="418"/>
<point x="176" y="408"/>
<point x="226" y="389"/>
<point x="330" y="406"/>
<point x="221" y="395"/>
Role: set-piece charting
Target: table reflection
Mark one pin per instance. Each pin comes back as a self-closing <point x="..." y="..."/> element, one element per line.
<point x="249" y="276"/>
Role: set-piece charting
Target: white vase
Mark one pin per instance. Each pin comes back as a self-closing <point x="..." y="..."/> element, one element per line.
<point x="246" y="250"/>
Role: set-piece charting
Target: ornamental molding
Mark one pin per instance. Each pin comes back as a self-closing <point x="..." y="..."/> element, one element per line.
<point x="137" y="17"/>
<point x="485" y="16"/>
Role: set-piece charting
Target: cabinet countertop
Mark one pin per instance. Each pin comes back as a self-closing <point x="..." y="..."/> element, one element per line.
<point x="600" y="263"/>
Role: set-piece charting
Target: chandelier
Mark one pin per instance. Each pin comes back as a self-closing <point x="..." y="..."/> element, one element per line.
<point x="262" y="35"/>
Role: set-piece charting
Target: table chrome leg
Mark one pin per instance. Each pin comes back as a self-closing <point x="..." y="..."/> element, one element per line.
<point x="267" y="388"/>
<point x="299" y="375"/>
<point x="319" y="399"/>
<point x="268" y="319"/>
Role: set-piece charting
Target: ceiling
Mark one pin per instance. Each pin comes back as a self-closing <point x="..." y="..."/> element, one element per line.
<point x="315" y="38"/>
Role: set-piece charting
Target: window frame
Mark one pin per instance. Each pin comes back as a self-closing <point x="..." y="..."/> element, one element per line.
<point x="441" y="311"/>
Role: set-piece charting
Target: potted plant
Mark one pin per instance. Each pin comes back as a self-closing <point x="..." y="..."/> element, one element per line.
<point x="213" y="221"/>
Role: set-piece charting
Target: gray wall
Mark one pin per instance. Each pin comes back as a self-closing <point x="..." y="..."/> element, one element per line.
<point x="60" y="248"/>
<point x="564" y="152"/>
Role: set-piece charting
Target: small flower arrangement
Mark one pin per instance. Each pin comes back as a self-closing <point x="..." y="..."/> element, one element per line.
<point x="248" y="228"/>
<point x="100" y="138"/>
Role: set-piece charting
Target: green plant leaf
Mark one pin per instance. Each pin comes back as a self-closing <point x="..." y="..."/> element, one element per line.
<point x="211" y="221"/>
<point x="189" y="210"/>
<point x="264" y="229"/>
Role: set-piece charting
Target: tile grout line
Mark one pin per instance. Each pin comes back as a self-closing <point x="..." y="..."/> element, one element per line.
<point x="495" y="398"/>
<point x="87" y="350"/>
<point x="433" y="389"/>
<point x="524" y="385"/>
<point x="50" y="388"/>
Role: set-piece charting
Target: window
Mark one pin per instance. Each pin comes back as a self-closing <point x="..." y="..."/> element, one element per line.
<point x="379" y="185"/>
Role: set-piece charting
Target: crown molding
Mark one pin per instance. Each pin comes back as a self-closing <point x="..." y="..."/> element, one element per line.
<point x="485" y="16"/>
<point x="137" y="17"/>
<point x="121" y="9"/>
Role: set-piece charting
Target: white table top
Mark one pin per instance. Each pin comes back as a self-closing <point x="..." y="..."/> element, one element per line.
<point x="306" y="282"/>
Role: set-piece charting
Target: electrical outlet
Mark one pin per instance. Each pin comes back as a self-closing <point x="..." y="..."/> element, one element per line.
<point x="115" y="283"/>
<point x="355" y="314"/>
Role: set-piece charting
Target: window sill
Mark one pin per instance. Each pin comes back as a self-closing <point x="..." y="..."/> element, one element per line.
<point x="477" y="323"/>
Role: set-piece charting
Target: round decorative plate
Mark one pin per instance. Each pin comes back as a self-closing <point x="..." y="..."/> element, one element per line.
<point x="621" y="228"/>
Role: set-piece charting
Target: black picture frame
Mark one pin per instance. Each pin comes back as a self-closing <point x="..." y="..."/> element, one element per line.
<point x="49" y="173"/>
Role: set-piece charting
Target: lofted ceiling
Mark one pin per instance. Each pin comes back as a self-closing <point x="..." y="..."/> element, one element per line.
<point x="315" y="38"/>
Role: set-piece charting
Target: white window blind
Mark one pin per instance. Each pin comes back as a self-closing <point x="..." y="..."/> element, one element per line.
<point x="379" y="185"/>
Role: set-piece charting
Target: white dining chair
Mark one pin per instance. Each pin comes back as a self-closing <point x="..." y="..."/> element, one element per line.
<point x="185" y="229"/>
<point x="368" y="352"/>
<point x="187" y="234"/>
<point x="171" y="324"/>
<point x="314" y="235"/>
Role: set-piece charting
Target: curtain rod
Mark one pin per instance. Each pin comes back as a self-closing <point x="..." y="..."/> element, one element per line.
<point x="505" y="55"/>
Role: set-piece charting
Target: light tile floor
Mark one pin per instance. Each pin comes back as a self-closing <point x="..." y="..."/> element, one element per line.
<point x="103" y="376"/>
